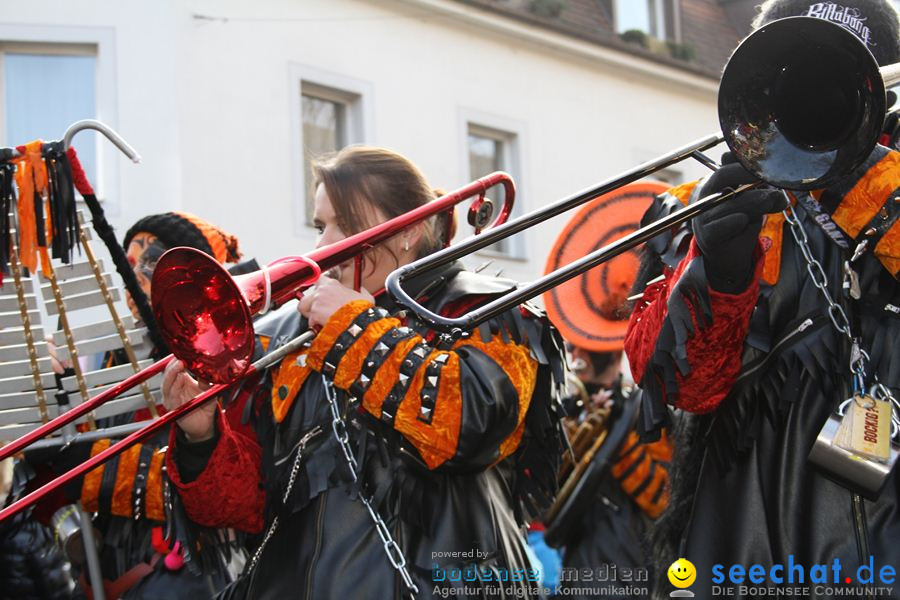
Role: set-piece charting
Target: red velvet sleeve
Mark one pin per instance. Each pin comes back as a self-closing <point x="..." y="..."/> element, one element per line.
<point x="713" y="352"/>
<point x="228" y="493"/>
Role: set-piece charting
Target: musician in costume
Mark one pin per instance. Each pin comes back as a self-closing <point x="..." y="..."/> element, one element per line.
<point x="619" y="502"/>
<point x="427" y="421"/>
<point x="139" y="557"/>
<point x="32" y="566"/>
<point x="738" y="338"/>
<point x="149" y="238"/>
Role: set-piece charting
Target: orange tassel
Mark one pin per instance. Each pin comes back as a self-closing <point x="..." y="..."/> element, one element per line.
<point x="124" y="485"/>
<point x="31" y="178"/>
<point x="289" y="377"/>
<point x="90" y="488"/>
<point x="154" y="502"/>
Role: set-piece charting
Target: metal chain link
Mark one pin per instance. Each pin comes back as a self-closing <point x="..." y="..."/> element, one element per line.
<point x="858" y="356"/>
<point x="391" y="548"/>
<point x="817" y="273"/>
<point x="295" y="470"/>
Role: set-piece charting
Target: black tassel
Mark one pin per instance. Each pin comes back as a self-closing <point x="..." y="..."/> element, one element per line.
<point x="63" y="215"/>
<point x="7" y="205"/>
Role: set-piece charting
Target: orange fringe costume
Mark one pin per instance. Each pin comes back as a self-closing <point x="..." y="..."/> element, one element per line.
<point x="437" y="437"/>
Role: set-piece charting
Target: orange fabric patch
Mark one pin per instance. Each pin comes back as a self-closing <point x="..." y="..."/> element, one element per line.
<point x="658" y="451"/>
<point x="290" y="375"/>
<point x="339" y="321"/>
<point x="521" y="368"/>
<point x="624" y="462"/>
<point x="772" y="230"/>
<point x="436" y="442"/>
<point x="223" y="244"/>
<point x="868" y="195"/>
<point x="264" y="342"/>
<point x="352" y="362"/>
<point x="645" y="499"/>
<point x="683" y="192"/>
<point x="154" y="499"/>
<point x="865" y="200"/>
<point x="124" y="485"/>
<point x="386" y="376"/>
<point x="90" y="487"/>
<point x="888" y="249"/>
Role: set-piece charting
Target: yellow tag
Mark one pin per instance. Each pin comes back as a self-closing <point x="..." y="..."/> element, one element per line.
<point x="870" y="428"/>
<point x="842" y="437"/>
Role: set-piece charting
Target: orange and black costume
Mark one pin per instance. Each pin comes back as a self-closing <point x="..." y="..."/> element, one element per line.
<point x="613" y="527"/>
<point x="447" y="436"/>
<point x="757" y="374"/>
<point x="138" y="557"/>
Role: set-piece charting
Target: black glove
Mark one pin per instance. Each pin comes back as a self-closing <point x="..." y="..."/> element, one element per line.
<point x="728" y="233"/>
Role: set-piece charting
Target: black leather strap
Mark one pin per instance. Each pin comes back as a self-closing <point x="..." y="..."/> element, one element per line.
<point x="823" y="220"/>
<point x="428" y="395"/>
<point x="408" y="368"/>
<point x="139" y="491"/>
<point x="348" y="337"/>
<point x="108" y="486"/>
<point x="376" y="357"/>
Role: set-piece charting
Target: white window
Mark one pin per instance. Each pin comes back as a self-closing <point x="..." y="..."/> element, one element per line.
<point x="52" y="76"/>
<point x="655" y="17"/>
<point x="490" y="150"/>
<point x="46" y="88"/>
<point x="324" y="131"/>
<point x="330" y="112"/>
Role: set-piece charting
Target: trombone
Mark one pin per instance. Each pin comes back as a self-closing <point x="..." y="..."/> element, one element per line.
<point x="205" y="315"/>
<point x="801" y="103"/>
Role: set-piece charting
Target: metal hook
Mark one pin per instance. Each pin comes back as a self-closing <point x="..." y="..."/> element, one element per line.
<point x="111" y="135"/>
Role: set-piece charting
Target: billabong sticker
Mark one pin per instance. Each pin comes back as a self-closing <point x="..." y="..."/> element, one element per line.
<point x="848" y="17"/>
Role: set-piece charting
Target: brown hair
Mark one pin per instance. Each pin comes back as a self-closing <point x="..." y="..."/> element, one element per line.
<point x="360" y="175"/>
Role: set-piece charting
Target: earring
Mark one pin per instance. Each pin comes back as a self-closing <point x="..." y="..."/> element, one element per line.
<point x="406" y="244"/>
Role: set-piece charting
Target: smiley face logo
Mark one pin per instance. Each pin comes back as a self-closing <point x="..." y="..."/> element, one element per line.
<point x="682" y="573"/>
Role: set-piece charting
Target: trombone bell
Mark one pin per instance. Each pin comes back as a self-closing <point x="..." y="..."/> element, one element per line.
<point x="801" y="103"/>
<point x="202" y="315"/>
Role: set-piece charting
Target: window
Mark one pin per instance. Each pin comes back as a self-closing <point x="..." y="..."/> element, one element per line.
<point x="324" y="131"/>
<point x="46" y="88"/>
<point x="658" y="18"/>
<point x="330" y="112"/>
<point x="492" y="150"/>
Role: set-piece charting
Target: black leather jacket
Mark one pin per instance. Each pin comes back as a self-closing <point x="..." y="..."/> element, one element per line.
<point x="744" y="491"/>
<point x="444" y="519"/>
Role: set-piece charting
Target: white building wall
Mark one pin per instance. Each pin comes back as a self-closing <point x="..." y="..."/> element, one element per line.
<point x="208" y="102"/>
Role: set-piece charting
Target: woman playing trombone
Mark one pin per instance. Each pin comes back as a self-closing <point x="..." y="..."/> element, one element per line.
<point x="382" y="461"/>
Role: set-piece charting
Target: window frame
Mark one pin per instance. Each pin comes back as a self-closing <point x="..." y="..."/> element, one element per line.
<point x="356" y="96"/>
<point x="513" y="135"/>
<point x="63" y="40"/>
<point x="663" y="12"/>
